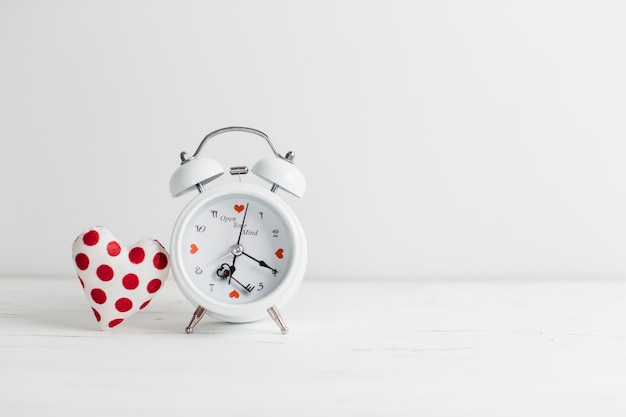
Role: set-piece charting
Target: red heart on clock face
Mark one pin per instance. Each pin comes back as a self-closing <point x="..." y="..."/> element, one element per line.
<point x="279" y="253"/>
<point x="238" y="208"/>
<point x="118" y="281"/>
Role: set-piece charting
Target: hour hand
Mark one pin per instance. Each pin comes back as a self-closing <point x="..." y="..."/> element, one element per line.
<point x="261" y="263"/>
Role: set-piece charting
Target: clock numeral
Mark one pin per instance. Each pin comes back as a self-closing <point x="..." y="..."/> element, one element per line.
<point x="211" y="287"/>
<point x="198" y="270"/>
<point x="214" y="213"/>
<point x="275" y="232"/>
<point x="260" y="287"/>
<point x="200" y="228"/>
<point x="261" y="214"/>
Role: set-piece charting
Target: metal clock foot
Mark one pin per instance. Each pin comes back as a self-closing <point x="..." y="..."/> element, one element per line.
<point x="197" y="316"/>
<point x="275" y="315"/>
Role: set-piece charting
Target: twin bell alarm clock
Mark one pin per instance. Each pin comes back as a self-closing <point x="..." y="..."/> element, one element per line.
<point x="238" y="251"/>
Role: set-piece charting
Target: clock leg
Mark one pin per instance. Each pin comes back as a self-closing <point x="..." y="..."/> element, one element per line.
<point x="197" y="316"/>
<point x="275" y="315"/>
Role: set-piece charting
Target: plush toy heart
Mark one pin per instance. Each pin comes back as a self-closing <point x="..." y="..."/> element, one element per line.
<point x="118" y="282"/>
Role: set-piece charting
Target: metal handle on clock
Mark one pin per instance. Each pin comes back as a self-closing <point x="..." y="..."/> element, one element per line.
<point x="235" y="129"/>
<point x="196" y="172"/>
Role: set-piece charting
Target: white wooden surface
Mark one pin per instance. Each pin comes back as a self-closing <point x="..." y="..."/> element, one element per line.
<point x="388" y="348"/>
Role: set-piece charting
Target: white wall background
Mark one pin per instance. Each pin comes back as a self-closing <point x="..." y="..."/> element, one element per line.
<point x="440" y="139"/>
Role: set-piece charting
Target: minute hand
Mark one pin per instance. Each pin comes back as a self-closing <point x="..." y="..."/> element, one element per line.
<point x="261" y="263"/>
<point x="243" y="222"/>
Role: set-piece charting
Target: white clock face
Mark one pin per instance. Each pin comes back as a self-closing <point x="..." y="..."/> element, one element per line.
<point x="234" y="249"/>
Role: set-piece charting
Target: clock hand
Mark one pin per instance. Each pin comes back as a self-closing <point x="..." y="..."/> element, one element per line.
<point x="261" y="263"/>
<point x="227" y="270"/>
<point x="243" y="222"/>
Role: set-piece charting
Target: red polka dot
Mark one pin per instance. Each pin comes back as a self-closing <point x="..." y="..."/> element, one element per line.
<point x="144" y="305"/>
<point x="98" y="296"/>
<point x="91" y="238"/>
<point x="113" y="248"/>
<point x="160" y="260"/>
<point x="105" y="272"/>
<point x="115" y="322"/>
<point x="154" y="285"/>
<point x="95" y="313"/>
<point x="123" y="305"/>
<point x="81" y="281"/>
<point x="82" y="261"/>
<point x="136" y="255"/>
<point x="130" y="281"/>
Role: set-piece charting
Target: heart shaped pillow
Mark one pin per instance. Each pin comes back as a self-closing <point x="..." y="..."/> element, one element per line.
<point x="118" y="281"/>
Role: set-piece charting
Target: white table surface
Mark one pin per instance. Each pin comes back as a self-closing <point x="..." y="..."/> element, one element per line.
<point x="463" y="348"/>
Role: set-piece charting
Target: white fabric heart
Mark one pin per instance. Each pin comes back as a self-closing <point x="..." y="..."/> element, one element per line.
<point x="118" y="281"/>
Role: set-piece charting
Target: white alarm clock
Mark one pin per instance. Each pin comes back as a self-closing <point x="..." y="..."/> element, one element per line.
<point x="238" y="251"/>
